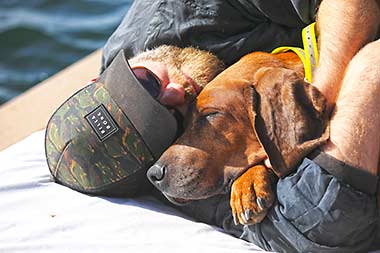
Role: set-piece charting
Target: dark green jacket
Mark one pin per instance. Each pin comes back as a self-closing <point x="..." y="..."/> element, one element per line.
<point x="228" y="28"/>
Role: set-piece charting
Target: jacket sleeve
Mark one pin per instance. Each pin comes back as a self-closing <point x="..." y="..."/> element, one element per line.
<point x="287" y="12"/>
<point x="306" y="10"/>
<point x="227" y="28"/>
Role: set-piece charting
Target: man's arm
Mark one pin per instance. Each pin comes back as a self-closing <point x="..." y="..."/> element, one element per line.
<point x="344" y="26"/>
<point x="348" y="77"/>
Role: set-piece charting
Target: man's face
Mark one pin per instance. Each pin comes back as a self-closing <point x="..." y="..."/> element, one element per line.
<point x="182" y="73"/>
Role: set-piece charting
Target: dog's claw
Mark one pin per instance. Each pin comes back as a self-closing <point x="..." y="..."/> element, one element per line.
<point x="236" y="221"/>
<point x="242" y="216"/>
<point x="248" y="214"/>
<point x="261" y="202"/>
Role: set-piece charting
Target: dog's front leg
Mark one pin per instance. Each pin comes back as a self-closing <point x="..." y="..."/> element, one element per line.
<point x="252" y="195"/>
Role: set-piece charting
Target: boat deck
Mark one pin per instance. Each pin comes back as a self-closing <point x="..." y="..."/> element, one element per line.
<point x="31" y="110"/>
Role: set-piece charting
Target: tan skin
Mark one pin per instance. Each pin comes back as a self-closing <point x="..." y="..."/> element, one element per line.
<point x="348" y="77"/>
<point x="172" y="93"/>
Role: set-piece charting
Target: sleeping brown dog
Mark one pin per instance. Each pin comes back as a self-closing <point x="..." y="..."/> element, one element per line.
<point x="258" y="108"/>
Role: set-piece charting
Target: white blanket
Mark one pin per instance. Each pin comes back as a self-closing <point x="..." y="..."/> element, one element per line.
<point x="38" y="215"/>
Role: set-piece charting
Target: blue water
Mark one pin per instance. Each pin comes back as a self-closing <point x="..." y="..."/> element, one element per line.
<point x="40" y="37"/>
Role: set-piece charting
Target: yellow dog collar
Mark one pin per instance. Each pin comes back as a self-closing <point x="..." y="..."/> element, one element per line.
<point x="309" y="53"/>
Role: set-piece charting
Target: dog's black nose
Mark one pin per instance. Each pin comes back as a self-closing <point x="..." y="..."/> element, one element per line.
<point x="156" y="173"/>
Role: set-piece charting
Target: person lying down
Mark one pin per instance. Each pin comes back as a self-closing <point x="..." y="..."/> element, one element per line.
<point x="105" y="137"/>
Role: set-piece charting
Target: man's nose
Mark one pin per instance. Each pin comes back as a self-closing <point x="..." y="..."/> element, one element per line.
<point x="173" y="95"/>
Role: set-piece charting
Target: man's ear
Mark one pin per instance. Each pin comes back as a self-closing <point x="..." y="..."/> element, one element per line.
<point x="289" y="117"/>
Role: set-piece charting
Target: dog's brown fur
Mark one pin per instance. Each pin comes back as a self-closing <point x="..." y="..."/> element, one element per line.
<point x="256" y="108"/>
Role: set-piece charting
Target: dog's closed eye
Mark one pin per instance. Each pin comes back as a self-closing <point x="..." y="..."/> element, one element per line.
<point x="207" y="116"/>
<point x="211" y="115"/>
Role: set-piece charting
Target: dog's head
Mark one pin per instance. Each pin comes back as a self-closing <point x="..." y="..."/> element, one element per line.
<point x="236" y="124"/>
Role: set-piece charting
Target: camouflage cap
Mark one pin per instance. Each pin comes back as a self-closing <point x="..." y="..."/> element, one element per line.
<point x="103" y="138"/>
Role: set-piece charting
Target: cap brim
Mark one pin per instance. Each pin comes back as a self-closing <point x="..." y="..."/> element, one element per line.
<point x="108" y="133"/>
<point x="154" y="122"/>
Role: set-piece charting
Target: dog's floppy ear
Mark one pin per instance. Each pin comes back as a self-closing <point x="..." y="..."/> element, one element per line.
<point x="289" y="116"/>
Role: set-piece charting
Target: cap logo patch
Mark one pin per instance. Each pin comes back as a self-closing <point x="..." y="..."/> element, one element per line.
<point x="102" y="122"/>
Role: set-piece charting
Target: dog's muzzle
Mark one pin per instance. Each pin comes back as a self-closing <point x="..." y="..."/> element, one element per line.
<point x="156" y="175"/>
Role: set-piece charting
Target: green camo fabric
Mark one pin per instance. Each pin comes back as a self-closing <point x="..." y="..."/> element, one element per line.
<point x="78" y="159"/>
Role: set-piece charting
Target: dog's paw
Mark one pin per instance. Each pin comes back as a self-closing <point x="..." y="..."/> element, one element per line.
<point x="252" y="195"/>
